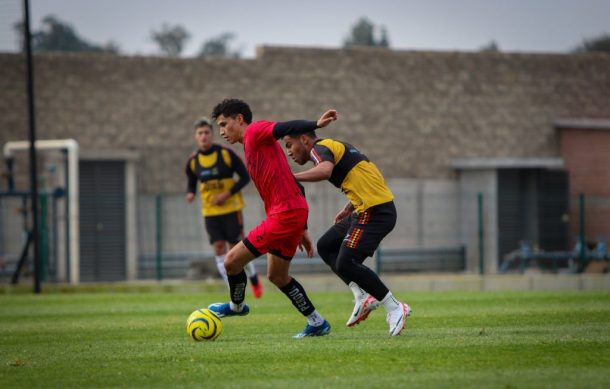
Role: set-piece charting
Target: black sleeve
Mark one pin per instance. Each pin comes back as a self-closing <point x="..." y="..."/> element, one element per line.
<point x="323" y="153"/>
<point x="293" y="127"/>
<point x="240" y="169"/>
<point x="191" y="185"/>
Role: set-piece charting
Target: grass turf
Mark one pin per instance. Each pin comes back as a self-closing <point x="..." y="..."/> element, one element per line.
<point x="454" y="339"/>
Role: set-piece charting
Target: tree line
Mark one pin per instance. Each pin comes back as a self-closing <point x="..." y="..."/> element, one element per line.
<point x="58" y="35"/>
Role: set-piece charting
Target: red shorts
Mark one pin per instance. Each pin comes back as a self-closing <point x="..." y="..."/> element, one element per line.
<point x="279" y="234"/>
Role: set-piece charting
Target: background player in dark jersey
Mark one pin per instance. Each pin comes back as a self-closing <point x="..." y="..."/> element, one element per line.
<point x="359" y="227"/>
<point x="221" y="201"/>
<point x="284" y="228"/>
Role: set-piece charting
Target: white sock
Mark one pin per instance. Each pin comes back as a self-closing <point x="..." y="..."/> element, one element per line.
<point x="315" y="319"/>
<point x="358" y="292"/>
<point x="390" y="303"/>
<point x="220" y="265"/>
<point x="236" y="307"/>
<point x="250" y="270"/>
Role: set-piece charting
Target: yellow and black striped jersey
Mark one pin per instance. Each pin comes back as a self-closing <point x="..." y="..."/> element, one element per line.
<point x="358" y="178"/>
<point x="214" y="169"/>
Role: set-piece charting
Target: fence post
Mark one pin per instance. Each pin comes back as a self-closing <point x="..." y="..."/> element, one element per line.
<point x="581" y="231"/>
<point x="44" y="236"/>
<point x="159" y="235"/>
<point x="481" y="233"/>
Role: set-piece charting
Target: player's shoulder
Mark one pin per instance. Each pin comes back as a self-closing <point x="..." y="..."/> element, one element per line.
<point x="192" y="156"/>
<point x="260" y="125"/>
<point x="326" y="143"/>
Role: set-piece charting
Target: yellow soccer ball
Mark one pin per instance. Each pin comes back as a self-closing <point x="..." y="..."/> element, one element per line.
<point x="203" y="324"/>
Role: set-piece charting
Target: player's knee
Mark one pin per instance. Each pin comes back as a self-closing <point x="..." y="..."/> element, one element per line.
<point x="326" y="247"/>
<point x="323" y="249"/>
<point x="220" y="247"/>
<point x="278" y="280"/>
<point x="347" y="260"/>
<point x="232" y="266"/>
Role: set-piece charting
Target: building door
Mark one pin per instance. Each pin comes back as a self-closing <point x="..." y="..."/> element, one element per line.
<point x="533" y="205"/>
<point x="102" y="221"/>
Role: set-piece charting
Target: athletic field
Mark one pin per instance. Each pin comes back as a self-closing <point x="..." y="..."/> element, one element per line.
<point x="454" y="339"/>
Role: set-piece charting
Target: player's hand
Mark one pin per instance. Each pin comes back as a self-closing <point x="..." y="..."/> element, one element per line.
<point x="221" y="198"/>
<point x="327" y="117"/>
<point x="345" y="212"/>
<point x="305" y="244"/>
<point x="189" y="197"/>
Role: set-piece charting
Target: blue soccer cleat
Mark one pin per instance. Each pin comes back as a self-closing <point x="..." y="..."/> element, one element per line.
<point x="224" y="310"/>
<point x="321" y="330"/>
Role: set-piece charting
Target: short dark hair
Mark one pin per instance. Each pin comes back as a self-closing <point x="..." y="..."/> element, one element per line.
<point x="231" y="108"/>
<point x="202" y="122"/>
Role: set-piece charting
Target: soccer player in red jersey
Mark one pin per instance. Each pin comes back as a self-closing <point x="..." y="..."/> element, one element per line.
<point x="214" y="167"/>
<point x="284" y="228"/>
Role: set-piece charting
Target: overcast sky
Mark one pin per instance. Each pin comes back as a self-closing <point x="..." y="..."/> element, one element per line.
<point x="515" y="25"/>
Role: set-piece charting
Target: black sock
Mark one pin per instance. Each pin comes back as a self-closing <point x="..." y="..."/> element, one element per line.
<point x="297" y="295"/>
<point x="254" y="280"/>
<point x="237" y="286"/>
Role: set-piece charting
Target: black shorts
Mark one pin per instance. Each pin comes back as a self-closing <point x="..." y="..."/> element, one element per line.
<point x="364" y="232"/>
<point x="228" y="227"/>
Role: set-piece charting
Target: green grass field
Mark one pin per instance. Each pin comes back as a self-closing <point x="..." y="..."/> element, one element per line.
<point x="454" y="339"/>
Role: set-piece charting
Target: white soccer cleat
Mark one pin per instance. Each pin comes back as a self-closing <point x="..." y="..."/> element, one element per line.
<point x="362" y="309"/>
<point x="397" y="319"/>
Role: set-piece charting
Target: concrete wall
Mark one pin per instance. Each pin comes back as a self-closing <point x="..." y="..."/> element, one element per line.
<point x="410" y="112"/>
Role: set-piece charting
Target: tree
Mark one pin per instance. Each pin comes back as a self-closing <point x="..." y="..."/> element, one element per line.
<point x="597" y="44"/>
<point x="170" y="39"/>
<point x="363" y="34"/>
<point x="491" y="47"/>
<point x="219" y="47"/>
<point x="57" y="35"/>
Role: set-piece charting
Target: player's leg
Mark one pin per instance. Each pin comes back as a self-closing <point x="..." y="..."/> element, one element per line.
<point x="255" y="281"/>
<point x="220" y="249"/>
<point x="234" y="230"/>
<point x="329" y="245"/>
<point x="328" y="248"/>
<point x="278" y="274"/>
<point x="367" y="231"/>
<point x="216" y="233"/>
<point x="235" y="260"/>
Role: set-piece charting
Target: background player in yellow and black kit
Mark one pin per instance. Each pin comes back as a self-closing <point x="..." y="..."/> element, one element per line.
<point x="221" y="201"/>
<point x="366" y="219"/>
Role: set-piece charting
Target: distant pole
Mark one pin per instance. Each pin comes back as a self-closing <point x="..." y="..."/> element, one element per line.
<point x="581" y="232"/>
<point x="481" y="233"/>
<point x="32" y="135"/>
<point x="159" y="235"/>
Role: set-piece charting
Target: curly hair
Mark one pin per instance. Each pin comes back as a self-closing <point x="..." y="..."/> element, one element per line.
<point x="231" y="108"/>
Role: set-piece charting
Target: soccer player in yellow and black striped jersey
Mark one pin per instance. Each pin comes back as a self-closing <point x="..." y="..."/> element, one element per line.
<point x="368" y="216"/>
<point x="214" y="166"/>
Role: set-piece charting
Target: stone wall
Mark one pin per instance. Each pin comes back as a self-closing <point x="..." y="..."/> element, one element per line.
<point x="410" y="112"/>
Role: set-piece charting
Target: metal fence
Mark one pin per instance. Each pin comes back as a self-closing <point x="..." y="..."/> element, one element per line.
<point x="167" y="239"/>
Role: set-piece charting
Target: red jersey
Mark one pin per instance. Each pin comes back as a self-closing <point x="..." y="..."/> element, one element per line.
<point x="269" y="170"/>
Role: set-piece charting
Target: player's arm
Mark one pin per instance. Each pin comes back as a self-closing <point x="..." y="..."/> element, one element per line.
<point x="298" y="127"/>
<point x="306" y="245"/>
<point x="293" y="127"/>
<point x="242" y="173"/>
<point x="345" y="212"/>
<point x="324" y="161"/>
<point x="320" y="172"/>
<point x="191" y="182"/>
